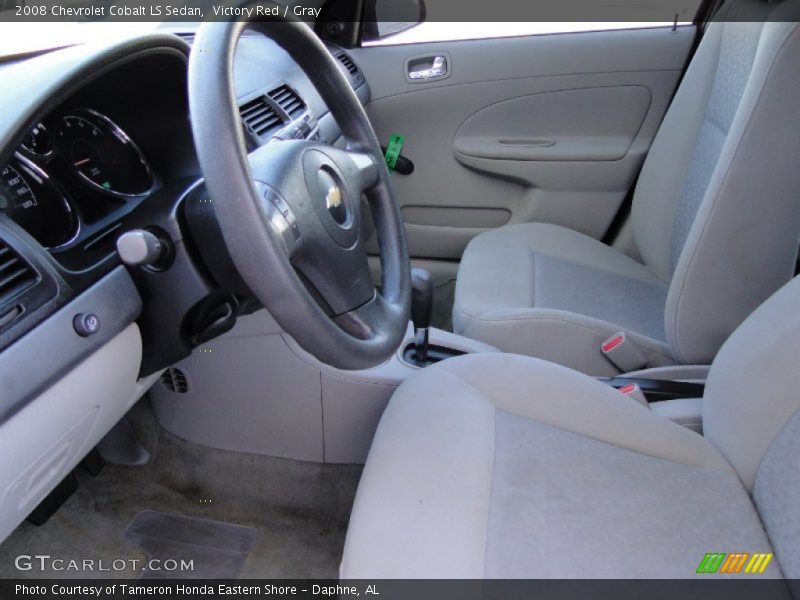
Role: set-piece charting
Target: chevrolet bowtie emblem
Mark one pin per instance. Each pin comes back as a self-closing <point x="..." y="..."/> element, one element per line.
<point x="333" y="199"/>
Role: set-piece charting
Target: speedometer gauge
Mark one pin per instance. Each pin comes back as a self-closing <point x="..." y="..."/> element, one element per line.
<point x="102" y="155"/>
<point x="32" y="200"/>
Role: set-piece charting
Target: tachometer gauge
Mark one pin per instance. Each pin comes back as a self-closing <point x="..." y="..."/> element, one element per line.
<point x="32" y="200"/>
<point x="102" y="155"/>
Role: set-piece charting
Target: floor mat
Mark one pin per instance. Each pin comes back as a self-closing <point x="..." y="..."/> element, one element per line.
<point x="206" y="549"/>
<point x="300" y="509"/>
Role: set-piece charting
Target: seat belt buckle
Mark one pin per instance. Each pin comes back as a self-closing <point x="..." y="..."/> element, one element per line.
<point x="632" y="390"/>
<point x="622" y="353"/>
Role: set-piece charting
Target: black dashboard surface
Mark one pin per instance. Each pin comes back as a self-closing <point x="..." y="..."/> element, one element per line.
<point x="125" y="134"/>
<point x="103" y="150"/>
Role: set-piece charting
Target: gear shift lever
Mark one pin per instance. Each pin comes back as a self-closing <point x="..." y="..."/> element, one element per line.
<point x="421" y="310"/>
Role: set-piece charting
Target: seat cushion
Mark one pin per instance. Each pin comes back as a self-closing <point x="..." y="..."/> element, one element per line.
<point x="508" y="466"/>
<point x="550" y="292"/>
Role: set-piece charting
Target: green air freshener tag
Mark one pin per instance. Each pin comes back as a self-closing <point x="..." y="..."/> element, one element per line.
<point x="393" y="150"/>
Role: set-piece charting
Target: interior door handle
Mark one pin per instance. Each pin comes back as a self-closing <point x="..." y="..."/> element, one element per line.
<point x="432" y="67"/>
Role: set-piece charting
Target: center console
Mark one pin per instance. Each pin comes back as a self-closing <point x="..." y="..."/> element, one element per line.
<point x="256" y="390"/>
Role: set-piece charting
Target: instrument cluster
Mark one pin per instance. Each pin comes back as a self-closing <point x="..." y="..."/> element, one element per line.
<point x="70" y="170"/>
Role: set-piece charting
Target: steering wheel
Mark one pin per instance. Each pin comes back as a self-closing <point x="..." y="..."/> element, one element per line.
<point x="290" y="211"/>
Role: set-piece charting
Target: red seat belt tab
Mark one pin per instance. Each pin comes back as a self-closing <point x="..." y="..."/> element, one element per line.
<point x="632" y="390"/>
<point x="622" y="353"/>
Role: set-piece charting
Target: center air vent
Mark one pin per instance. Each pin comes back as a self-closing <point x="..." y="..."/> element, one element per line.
<point x="288" y="100"/>
<point x="259" y="116"/>
<point x="16" y="275"/>
<point x="348" y="63"/>
<point x="175" y="381"/>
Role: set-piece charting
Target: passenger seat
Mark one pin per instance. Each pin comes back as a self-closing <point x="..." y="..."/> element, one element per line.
<point x="716" y="219"/>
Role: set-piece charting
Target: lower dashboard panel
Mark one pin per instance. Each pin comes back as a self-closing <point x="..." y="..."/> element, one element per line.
<point x="67" y="420"/>
<point x="49" y="351"/>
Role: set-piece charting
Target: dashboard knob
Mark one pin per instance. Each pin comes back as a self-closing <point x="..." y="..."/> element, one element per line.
<point x="141" y="248"/>
<point x="86" y="324"/>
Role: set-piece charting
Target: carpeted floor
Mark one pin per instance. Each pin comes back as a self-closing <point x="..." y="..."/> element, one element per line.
<point x="300" y="510"/>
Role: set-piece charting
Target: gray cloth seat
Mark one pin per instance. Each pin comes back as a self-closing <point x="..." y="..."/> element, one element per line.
<point x="506" y="466"/>
<point x="715" y="219"/>
<point x="558" y="294"/>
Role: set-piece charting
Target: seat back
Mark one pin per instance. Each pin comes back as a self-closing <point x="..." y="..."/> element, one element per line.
<point x="717" y="209"/>
<point x="751" y="413"/>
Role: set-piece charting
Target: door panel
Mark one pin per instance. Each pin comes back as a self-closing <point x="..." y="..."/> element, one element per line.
<point x="549" y="128"/>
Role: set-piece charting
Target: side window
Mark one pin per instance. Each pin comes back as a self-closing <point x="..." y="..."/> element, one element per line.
<point x="391" y="22"/>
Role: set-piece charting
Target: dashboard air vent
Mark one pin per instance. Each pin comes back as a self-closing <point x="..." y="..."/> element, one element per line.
<point x="288" y="100"/>
<point x="175" y="381"/>
<point x="259" y="116"/>
<point x="16" y="275"/>
<point x="348" y="63"/>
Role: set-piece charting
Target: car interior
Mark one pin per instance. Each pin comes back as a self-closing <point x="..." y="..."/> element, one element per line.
<point x="290" y="297"/>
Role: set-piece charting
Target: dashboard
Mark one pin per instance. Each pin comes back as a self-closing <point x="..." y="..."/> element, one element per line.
<point x="97" y="142"/>
<point x="118" y="140"/>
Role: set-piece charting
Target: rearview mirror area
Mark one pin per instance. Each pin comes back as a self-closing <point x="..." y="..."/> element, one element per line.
<point x="385" y="18"/>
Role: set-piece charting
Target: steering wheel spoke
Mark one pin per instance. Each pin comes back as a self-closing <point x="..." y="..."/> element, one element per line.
<point x="361" y="169"/>
<point x="359" y="322"/>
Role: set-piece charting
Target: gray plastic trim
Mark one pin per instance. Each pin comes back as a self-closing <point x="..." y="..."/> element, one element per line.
<point x="256" y="390"/>
<point x="47" y="353"/>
